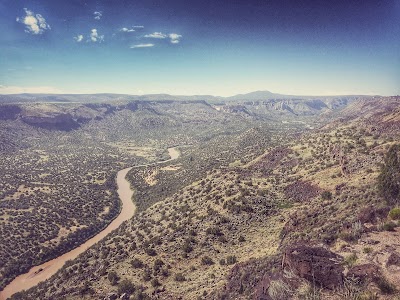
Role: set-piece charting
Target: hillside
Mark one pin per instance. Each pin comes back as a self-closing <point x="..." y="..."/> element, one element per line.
<point x="252" y="217"/>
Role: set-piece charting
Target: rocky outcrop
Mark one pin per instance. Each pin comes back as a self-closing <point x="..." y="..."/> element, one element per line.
<point x="61" y="121"/>
<point x="364" y="273"/>
<point x="316" y="264"/>
<point x="9" y="112"/>
<point x="393" y="260"/>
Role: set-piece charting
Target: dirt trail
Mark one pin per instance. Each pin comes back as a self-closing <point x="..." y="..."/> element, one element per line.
<point x="44" y="271"/>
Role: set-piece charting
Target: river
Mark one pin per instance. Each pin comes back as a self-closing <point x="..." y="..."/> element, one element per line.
<point x="44" y="271"/>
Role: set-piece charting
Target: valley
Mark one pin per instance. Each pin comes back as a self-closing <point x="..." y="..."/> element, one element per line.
<point x="216" y="216"/>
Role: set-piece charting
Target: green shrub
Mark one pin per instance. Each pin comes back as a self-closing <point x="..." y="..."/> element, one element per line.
<point x="394" y="214"/>
<point x="326" y="195"/>
<point x="389" y="226"/>
<point x="389" y="177"/>
<point x="367" y="250"/>
<point x="351" y="259"/>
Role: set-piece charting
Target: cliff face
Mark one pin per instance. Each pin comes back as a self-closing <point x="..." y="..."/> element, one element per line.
<point x="9" y="112"/>
<point x="61" y="121"/>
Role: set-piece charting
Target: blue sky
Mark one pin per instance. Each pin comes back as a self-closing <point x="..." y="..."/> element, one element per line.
<point x="204" y="47"/>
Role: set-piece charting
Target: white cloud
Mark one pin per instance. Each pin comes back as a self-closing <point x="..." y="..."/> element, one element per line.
<point x="142" y="46"/>
<point x="97" y="15"/>
<point x="138" y="26"/>
<point x="156" y="35"/>
<point x="126" y="30"/>
<point x="34" y="23"/>
<point x="95" y="37"/>
<point x="78" y="38"/>
<point x="174" y="38"/>
<point x="6" y="89"/>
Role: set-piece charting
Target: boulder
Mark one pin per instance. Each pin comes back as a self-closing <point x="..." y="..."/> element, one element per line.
<point x="315" y="264"/>
<point x="364" y="272"/>
<point x="394" y="259"/>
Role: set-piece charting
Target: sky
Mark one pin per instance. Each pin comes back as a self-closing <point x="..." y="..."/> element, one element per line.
<point x="216" y="47"/>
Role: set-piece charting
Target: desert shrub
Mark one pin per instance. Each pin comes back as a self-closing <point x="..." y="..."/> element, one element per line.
<point x="139" y="295"/>
<point x="394" y="213"/>
<point x="206" y="260"/>
<point x="367" y="296"/>
<point x="389" y="226"/>
<point x="146" y="275"/>
<point x="385" y="286"/>
<point x="367" y="250"/>
<point x="126" y="286"/>
<point x="351" y="259"/>
<point x="230" y="260"/>
<point x="113" y="277"/>
<point x="155" y="282"/>
<point x="214" y="231"/>
<point x="279" y="290"/>
<point x="187" y="247"/>
<point x="179" y="277"/>
<point x="137" y="263"/>
<point x="150" y="252"/>
<point x="326" y="195"/>
<point x="306" y="291"/>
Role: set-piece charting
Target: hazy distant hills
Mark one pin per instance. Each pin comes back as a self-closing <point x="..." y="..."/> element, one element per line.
<point x="70" y="111"/>
<point x="107" y="97"/>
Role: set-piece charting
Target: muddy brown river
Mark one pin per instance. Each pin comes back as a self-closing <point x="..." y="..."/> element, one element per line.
<point x="44" y="271"/>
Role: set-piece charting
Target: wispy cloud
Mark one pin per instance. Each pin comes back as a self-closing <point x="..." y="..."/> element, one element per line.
<point x="97" y="15"/>
<point x="142" y="46"/>
<point x="124" y="29"/>
<point x="95" y="37"/>
<point x="174" y="38"/>
<point x="156" y="35"/>
<point x="78" y="38"/>
<point x="138" y="26"/>
<point x="34" y="23"/>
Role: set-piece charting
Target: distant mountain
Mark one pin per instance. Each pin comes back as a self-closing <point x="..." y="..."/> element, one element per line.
<point x="259" y="95"/>
<point x="108" y="97"/>
<point x="93" y="98"/>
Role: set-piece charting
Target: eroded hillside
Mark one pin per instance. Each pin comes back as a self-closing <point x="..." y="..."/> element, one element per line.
<point x="218" y="228"/>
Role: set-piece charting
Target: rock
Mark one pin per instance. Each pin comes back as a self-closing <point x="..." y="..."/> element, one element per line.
<point x="111" y="296"/>
<point x="316" y="264"/>
<point x="372" y="214"/>
<point x="124" y="296"/>
<point x="394" y="259"/>
<point x="365" y="272"/>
